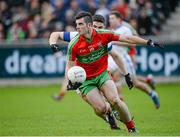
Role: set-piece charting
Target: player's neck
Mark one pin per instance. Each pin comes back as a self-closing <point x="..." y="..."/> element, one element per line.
<point x="88" y="35"/>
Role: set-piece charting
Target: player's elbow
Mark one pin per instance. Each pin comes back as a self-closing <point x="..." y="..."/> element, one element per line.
<point x="54" y="36"/>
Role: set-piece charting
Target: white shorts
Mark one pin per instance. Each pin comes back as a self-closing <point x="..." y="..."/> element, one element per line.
<point x="112" y="66"/>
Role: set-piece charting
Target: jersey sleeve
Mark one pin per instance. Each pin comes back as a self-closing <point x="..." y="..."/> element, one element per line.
<point x="72" y="49"/>
<point x="108" y="35"/>
<point x="128" y="32"/>
<point x="113" y="36"/>
<point x="68" y="36"/>
<point x="71" y="52"/>
<point x="109" y="46"/>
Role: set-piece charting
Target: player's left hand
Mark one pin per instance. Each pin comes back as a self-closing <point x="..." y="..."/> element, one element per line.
<point x="73" y="86"/>
<point x="154" y="44"/>
<point x="129" y="81"/>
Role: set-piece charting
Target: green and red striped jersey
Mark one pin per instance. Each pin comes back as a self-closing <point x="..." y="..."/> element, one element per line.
<point x="91" y="54"/>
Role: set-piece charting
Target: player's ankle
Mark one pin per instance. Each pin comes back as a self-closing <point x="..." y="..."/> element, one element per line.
<point x="149" y="78"/>
<point x="130" y="125"/>
<point x="62" y="94"/>
<point x="152" y="94"/>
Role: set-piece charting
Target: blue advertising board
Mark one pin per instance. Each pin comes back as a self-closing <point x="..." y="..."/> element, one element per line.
<point x="35" y="61"/>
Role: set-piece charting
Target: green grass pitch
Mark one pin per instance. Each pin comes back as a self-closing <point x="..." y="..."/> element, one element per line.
<point x="29" y="110"/>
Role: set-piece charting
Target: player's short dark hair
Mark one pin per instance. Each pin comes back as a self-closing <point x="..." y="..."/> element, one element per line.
<point x="86" y="15"/>
<point x="116" y="13"/>
<point x="99" y="18"/>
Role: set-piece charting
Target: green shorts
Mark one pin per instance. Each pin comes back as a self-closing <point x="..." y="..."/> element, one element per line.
<point x="96" y="82"/>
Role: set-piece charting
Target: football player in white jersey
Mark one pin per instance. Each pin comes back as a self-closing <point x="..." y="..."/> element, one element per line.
<point x="116" y="25"/>
<point x="132" y="52"/>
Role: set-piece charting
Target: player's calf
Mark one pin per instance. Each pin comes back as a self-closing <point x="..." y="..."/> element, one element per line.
<point x="150" y="81"/>
<point x="155" y="99"/>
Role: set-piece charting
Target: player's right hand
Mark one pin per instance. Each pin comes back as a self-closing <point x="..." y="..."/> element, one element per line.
<point x="73" y="86"/>
<point x="154" y="44"/>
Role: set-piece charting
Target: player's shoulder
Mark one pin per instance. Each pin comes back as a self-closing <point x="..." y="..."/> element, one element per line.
<point x="134" y="32"/>
<point x="123" y="30"/>
<point x="74" y="33"/>
<point x="123" y="27"/>
<point x="100" y="31"/>
<point x="74" y="41"/>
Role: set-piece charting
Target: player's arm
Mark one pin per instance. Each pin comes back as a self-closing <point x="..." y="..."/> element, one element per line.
<point x="132" y="40"/>
<point x="62" y="35"/>
<point x="71" y="57"/>
<point x="120" y="63"/>
<point x="55" y="36"/>
<point x="69" y="65"/>
<point x="70" y="86"/>
<point x="124" y="44"/>
<point x="138" y="40"/>
<point x="126" y="32"/>
<point x="118" y="59"/>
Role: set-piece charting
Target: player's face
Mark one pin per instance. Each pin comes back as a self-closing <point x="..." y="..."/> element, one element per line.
<point x="82" y="27"/>
<point x="113" y="21"/>
<point x="98" y="25"/>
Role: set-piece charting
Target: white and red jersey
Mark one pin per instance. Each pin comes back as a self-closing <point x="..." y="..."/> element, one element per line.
<point x="123" y="51"/>
<point x="122" y="30"/>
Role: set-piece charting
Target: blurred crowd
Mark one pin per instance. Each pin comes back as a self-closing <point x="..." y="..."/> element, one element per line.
<point x="32" y="19"/>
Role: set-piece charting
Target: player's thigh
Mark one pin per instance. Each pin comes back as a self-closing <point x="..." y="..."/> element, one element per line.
<point x="108" y="107"/>
<point x="116" y="75"/>
<point x="110" y="91"/>
<point x="135" y="79"/>
<point x="95" y="99"/>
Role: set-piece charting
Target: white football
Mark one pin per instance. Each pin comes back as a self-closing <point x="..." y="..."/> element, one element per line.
<point x="76" y="74"/>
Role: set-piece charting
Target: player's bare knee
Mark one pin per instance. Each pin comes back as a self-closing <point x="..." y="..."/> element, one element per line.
<point x="102" y="109"/>
<point x="114" y="100"/>
<point x="108" y="107"/>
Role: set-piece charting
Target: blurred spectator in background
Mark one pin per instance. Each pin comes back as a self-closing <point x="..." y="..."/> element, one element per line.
<point x="89" y="5"/>
<point x="69" y="17"/>
<point x="32" y="31"/>
<point x="21" y="15"/>
<point x="74" y="6"/>
<point x="5" y="16"/>
<point x="31" y="19"/>
<point x="46" y="11"/>
<point x="144" y="23"/>
<point x="60" y="10"/>
<point x="121" y="6"/>
<point x="103" y="10"/>
<point x="1" y="31"/>
<point x="70" y="28"/>
<point x="15" y="32"/>
<point x="33" y="7"/>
